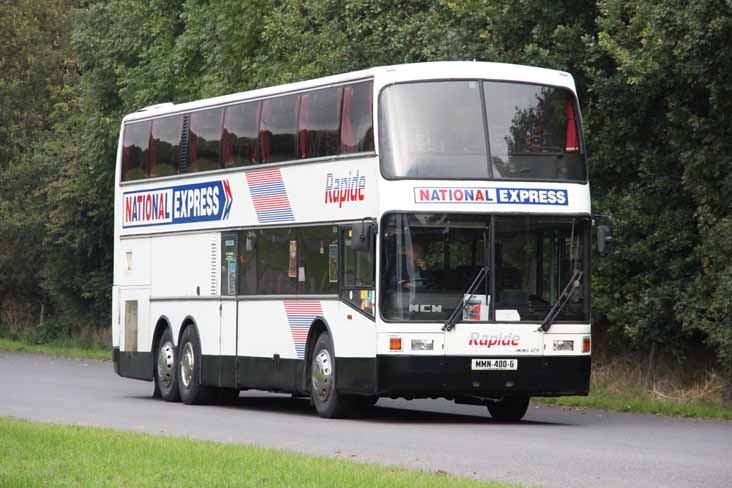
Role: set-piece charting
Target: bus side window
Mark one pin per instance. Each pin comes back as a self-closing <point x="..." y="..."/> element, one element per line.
<point x="135" y="145"/>
<point x="318" y="123"/>
<point x="204" y="137"/>
<point x="358" y="274"/>
<point x="278" y="129"/>
<point x="357" y="124"/>
<point x="165" y="139"/>
<point x="239" y="139"/>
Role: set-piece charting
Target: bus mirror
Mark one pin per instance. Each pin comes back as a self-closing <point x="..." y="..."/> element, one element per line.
<point x="362" y="236"/>
<point x="604" y="239"/>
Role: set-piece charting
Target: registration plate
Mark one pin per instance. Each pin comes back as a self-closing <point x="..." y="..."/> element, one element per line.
<point x="494" y="364"/>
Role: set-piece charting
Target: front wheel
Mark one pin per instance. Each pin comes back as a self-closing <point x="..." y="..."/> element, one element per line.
<point x="328" y="402"/>
<point x="510" y="409"/>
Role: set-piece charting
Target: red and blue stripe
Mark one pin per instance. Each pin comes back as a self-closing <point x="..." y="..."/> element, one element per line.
<point x="269" y="196"/>
<point x="300" y="315"/>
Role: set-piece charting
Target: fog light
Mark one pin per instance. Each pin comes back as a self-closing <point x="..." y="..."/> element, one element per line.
<point x="395" y="343"/>
<point x="564" y="345"/>
<point x="586" y="344"/>
<point x="423" y="345"/>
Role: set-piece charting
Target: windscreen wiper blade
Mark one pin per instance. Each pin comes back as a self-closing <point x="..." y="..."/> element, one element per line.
<point x="574" y="282"/>
<point x="454" y="317"/>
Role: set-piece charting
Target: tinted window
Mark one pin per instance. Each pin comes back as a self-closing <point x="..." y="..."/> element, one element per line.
<point x="165" y="146"/>
<point x="277" y="261"/>
<point x="248" y="262"/>
<point x="278" y="129"/>
<point x="204" y="140"/>
<point x="135" y="150"/>
<point x="320" y="112"/>
<point x="241" y="126"/>
<point x="357" y="127"/>
<point x="358" y="275"/>
<point x="315" y="244"/>
<point x="533" y="132"/>
<point x="433" y="130"/>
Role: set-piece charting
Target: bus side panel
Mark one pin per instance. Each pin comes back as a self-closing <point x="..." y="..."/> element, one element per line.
<point x="132" y="312"/>
<point x="135" y="357"/>
<point x="185" y="266"/>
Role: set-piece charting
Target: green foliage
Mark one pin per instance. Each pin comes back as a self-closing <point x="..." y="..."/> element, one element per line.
<point x="653" y="78"/>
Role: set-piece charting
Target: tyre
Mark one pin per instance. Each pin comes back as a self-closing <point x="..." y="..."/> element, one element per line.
<point x="326" y="399"/>
<point x="166" y="380"/>
<point x="510" y="409"/>
<point x="192" y="392"/>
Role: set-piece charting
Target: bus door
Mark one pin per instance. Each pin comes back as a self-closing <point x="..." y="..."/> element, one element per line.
<point x="228" y="309"/>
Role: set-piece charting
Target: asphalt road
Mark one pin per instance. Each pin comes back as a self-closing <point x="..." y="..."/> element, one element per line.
<point x="552" y="447"/>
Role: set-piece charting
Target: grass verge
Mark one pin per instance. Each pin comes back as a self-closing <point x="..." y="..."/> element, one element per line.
<point x="608" y="401"/>
<point x="52" y="455"/>
<point x="67" y="348"/>
<point x="622" y="384"/>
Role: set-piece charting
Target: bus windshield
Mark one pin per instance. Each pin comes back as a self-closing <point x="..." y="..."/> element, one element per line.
<point x="430" y="260"/>
<point x="480" y="130"/>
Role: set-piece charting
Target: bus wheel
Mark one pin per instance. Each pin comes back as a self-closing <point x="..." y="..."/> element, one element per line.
<point x="325" y="397"/>
<point x="192" y="392"/>
<point x="165" y="376"/>
<point x="510" y="409"/>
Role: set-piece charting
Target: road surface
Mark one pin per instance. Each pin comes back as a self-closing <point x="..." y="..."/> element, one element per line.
<point x="552" y="447"/>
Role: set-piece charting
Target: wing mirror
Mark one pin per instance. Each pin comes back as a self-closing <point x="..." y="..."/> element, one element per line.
<point x="362" y="235"/>
<point x="604" y="239"/>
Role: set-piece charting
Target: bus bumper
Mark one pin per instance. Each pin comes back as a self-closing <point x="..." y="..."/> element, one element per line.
<point x="452" y="376"/>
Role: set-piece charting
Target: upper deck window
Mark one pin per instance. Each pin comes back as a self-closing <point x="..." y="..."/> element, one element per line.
<point x="533" y="132"/>
<point x="319" y="120"/>
<point x="438" y="130"/>
<point x="165" y="141"/>
<point x="241" y="126"/>
<point x="135" y="144"/>
<point x="357" y="127"/>
<point x="278" y="129"/>
<point x="433" y="130"/>
<point x="204" y="140"/>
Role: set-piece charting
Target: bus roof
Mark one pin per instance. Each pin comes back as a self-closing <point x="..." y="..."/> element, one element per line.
<point x="383" y="75"/>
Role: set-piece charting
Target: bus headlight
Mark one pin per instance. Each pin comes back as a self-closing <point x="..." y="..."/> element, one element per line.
<point x="423" y="345"/>
<point x="564" y="345"/>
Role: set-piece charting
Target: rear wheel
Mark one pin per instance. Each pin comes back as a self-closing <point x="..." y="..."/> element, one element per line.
<point x="510" y="409"/>
<point x="328" y="402"/>
<point x="166" y="383"/>
<point x="192" y="392"/>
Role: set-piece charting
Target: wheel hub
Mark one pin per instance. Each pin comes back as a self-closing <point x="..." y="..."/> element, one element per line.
<point x="322" y="373"/>
<point x="187" y="362"/>
<point x="166" y="364"/>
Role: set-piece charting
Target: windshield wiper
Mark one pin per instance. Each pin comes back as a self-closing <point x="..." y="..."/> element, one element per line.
<point x="574" y="282"/>
<point x="454" y="317"/>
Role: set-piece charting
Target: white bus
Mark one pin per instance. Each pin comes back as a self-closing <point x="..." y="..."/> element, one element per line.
<point x="409" y="231"/>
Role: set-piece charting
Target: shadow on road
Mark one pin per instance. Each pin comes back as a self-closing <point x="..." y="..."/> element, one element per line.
<point x="286" y="404"/>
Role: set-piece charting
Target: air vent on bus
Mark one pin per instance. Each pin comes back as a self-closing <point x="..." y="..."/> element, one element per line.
<point x="214" y="265"/>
